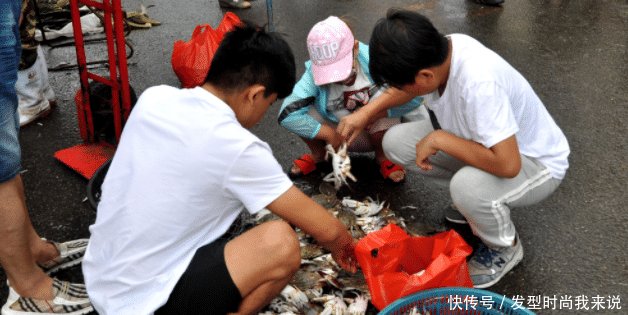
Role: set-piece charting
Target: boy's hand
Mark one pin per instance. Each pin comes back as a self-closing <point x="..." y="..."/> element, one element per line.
<point x="296" y="208"/>
<point x="424" y="149"/>
<point x="352" y="125"/>
<point x="335" y="140"/>
<point x="330" y="136"/>
<point x="344" y="255"/>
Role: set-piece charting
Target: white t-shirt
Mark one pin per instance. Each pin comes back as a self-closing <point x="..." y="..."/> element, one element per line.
<point x="486" y="100"/>
<point x="345" y="99"/>
<point x="183" y="171"/>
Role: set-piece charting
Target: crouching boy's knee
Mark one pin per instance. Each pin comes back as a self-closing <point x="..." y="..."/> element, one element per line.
<point x="281" y="241"/>
<point x="467" y="189"/>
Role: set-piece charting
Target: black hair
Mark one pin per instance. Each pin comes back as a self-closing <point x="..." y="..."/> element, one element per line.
<point x="401" y="45"/>
<point x="249" y="55"/>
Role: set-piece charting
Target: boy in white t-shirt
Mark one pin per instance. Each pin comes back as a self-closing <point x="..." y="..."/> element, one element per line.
<point x="184" y="169"/>
<point x="497" y="148"/>
<point x="337" y="82"/>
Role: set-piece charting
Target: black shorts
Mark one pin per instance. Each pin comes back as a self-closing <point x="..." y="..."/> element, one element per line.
<point x="206" y="286"/>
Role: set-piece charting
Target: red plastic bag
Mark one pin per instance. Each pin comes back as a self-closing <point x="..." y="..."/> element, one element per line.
<point x="396" y="265"/>
<point x="191" y="59"/>
<point x="228" y="22"/>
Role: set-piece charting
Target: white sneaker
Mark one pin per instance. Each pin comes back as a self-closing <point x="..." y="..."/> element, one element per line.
<point x="488" y="265"/>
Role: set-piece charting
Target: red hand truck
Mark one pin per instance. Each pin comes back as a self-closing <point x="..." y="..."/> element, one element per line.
<point x="87" y="157"/>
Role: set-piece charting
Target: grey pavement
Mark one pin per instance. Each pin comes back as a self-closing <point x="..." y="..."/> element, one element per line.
<point x="574" y="53"/>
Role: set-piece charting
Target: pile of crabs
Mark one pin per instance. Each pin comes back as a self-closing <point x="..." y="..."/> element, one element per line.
<point x="321" y="286"/>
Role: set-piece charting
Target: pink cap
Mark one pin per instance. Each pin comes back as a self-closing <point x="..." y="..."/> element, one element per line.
<point x="330" y="44"/>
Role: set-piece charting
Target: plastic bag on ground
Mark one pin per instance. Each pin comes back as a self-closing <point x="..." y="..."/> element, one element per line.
<point x="396" y="265"/>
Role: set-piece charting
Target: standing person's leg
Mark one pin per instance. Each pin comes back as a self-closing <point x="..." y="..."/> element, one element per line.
<point x="17" y="234"/>
<point x="15" y="227"/>
<point x="239" y="276"/>
<point x="21" y="248"/>
<point x="485" y="201"/>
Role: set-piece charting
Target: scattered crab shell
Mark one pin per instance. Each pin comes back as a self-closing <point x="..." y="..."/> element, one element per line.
<point x="265" y="215"/>
<point x="353" y="282"/>
<point x="295" y="297"/>
<point x="358" y="306"/>
<point x="335" y="306"/>
<point x="327" y="201"/>
<point x="356" y="232"/>
<point x="307" y="277"/>
<point x="279" y="305"/>
<point x="320" y="286"/>
<point x="314" y="293"/>
<point x="310" y="251"/>
<point x="331" y="277"/>
<point x="346" y="216"/>
<point x="260" y="214"/>
<point x="371" y="224"/>
<point x="368" y="207"/>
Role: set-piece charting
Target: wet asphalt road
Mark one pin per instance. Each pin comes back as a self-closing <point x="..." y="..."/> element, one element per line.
<point x="574" y="53"/>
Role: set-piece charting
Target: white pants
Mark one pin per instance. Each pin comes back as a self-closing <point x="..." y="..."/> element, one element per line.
<point x="483" y="198"/>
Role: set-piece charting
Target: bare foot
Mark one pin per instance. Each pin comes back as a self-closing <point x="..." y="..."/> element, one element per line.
<point x="47" y="252"/>
<point x="397" y="176"/>
<point x="295" y="170"/>
<point x="39" y="287"/>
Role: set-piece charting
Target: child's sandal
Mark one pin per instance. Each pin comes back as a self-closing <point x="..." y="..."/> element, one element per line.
<point x="386" y="168"/>
<point x="305" y="164"/>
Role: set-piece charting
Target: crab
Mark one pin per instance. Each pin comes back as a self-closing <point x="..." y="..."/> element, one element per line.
<point x="334" y="305"/>
<point x="366" y="208"/>
<point x="358" y="305"/>
<point x="295" y="297"/>
<point x="341" y="166"/>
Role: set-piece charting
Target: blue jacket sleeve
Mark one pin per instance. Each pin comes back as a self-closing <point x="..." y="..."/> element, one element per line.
<point x="293" y="114"/>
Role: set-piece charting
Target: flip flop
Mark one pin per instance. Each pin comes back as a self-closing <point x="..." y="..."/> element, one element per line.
<point x="305" y="163"/>
<point x="387" y="167"/>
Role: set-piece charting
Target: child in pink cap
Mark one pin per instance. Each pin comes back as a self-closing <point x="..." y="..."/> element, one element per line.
<point x="337" y="83"/>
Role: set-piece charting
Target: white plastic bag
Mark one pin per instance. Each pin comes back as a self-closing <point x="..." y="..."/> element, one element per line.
<point x="33" y="89"/>
<point x="90" y="24"/>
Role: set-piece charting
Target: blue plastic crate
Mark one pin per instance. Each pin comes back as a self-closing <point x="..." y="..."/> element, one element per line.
<point x="455" y="301"/>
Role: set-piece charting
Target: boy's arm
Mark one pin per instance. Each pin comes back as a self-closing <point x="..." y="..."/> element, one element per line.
<point x="351" y="125"/>
<point x="503" y="159"/>
<point x="301" y="211"/>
